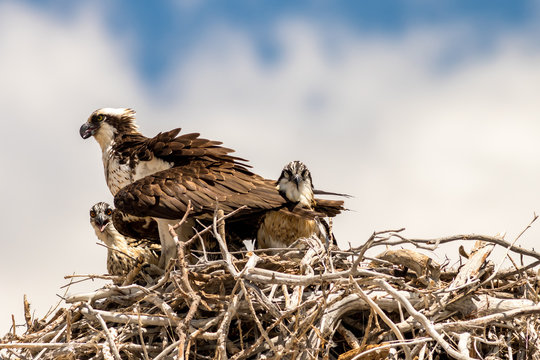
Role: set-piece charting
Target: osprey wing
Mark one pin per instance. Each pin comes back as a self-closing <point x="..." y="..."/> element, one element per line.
<point x="330" y="208"/>
<point x="166" y="194"/>
<point x="174" y="148"/>
<point x="138" y="228"/>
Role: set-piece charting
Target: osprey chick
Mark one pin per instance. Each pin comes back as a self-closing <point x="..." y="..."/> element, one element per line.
<point x="295" y="184"/>
<point x="123" y="253"/>
<point x="280" y="229"/>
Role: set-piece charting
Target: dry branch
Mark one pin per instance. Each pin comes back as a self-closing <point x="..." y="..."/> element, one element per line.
<point x="316" y="302"/>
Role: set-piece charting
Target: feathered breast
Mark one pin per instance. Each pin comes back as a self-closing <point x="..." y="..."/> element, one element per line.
<point x="280" y="229"/>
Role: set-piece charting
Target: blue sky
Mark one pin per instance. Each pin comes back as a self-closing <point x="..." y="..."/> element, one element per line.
<point x="427" y="114"/>
<point x="165" y="30"/>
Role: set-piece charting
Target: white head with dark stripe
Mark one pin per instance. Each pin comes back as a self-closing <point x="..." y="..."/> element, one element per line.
<point x="104" y="124"/>
<point x="295" y="183"/>
<point x="101" y="217"/>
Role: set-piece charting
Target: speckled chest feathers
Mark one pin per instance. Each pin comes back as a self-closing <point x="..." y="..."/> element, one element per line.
<point x="121" y="170"/>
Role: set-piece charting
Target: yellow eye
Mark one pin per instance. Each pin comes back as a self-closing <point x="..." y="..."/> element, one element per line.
<point x="92" y="213"/>
<point x="100" y="117"/>
<point x="108" y="212"/>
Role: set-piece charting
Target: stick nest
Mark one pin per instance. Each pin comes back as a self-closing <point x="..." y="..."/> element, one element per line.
<point x="312" y="302"/>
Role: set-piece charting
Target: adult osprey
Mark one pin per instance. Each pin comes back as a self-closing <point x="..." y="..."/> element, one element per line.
<point x="280" y="229"/>
<point x="158" y="176"/>
<point x="123" y="253"/>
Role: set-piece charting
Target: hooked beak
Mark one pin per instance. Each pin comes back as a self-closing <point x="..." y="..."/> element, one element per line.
<point x="102" y="223"/>
<point x="87" y="129"/>
<point x="297" y="180"/>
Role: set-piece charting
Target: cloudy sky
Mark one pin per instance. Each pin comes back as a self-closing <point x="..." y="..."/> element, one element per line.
<point x="428" y="114"/>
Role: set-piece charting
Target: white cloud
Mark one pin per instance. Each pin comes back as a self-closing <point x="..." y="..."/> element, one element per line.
<point x="54" y="72"/>
<point x="437" y="151"/>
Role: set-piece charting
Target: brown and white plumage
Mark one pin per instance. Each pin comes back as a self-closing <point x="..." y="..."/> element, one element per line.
<point x="136" y="227"/>
<point x="123" y="253"/>
<point x="158" y="176"/>
<point x="281" y="229"/>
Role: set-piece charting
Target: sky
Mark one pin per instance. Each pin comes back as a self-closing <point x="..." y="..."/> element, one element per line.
<point x="428" y="113"/>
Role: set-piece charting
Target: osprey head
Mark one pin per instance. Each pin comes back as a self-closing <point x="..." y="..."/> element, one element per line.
<point x="100" y="216"/>
<point x="295" y="183"/>
<point x="106" y="123"/>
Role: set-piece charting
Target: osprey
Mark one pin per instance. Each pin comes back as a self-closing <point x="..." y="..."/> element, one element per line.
<point x="123" y="253"/>
<point x="280" y="229"/>
<point x="159" y="176"/>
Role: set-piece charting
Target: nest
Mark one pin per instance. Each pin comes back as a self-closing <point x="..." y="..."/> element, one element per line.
<point x="310" y="302"/>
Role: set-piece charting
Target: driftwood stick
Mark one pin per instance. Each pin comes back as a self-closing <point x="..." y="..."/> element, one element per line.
<point x="367" y="329"/>
<point x="315" y="248"/>
<point x="466" y="275"/>
<point x="522" y="270"/>
<point x="384" y="317"/>
<point x="463" y="344"/>
<point x="85" y="345"/>
<point x="185" y="287"/>
<point x="308" y="323"/>
<point x="508" y="250"/>
<point x="146" y="320"/>
<point x="129" y="290"/>
<point x="250" y="351"/>
<point x="168" y="349"/>
<point x="227" y="257"/>
<point x="54" y="323"/>
<point x="68" y="325"/>
<point x="181" y="247"/>
<point x="211" y="226"/>
<point x="421" y="319"/>
<point x="54" y="339"/>
<point x="130" y="277"/>
<point x="40" y="346"/>
<point x="91" y="277"/>
<point x="274" y="277"/>
<point x="391" y="344"/>
<point x="349" y="337"/>
<point x="221" y="351"/>
<point x="457" y="238"/>
<point x="269" y="306"/>
<point x="221" y="227"/>
<point x="476" y="260"/>
<point x="362" y="251"/>
<point x="110" y="339"/>
<point x="489" y="319"/>
<point x="141" y="337"/>
<point x="162" y="305"/>
<point x="13" y="326"/>
<point x="182" y="328"/>
<point x="27" y="315"/>
<point x="255" y="317"/>
<point x="496" y="310"/>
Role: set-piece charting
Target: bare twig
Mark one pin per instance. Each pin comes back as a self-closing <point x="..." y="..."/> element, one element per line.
<point x="110" y="339"/>
<point x="221" y="351"/>
<point x="141" y="337"/>
<point x="384" y="317"/>
<point x="422" y="319"/>
<point x="312" y="303"/>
